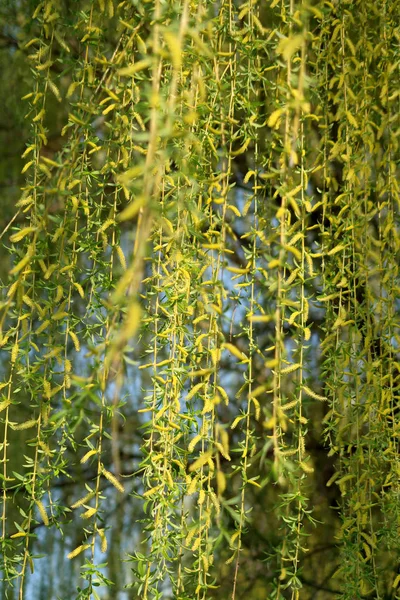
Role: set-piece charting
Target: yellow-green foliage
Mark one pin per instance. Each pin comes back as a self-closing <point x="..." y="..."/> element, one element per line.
<point x="211" y="252"/>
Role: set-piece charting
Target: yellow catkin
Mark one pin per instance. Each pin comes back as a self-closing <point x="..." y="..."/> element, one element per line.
<point x="215" y="501"/>
<point x="16" y="237"/>
<point x="248" y="175"/>
<point x="196" y="544"/>
<point x="89" y="513"/>
<point x="12" y="289"/>
<point x="290" y="369"/>
<point x="208" y="405"/>
<point x="60" y="315"/>
<point x="42" y="327"/>
<point x="222" y="450"/>
<point x="121" y="257"/>
<point x="42" y="512"/>
<point x="193" y="443"/>
<point x="221" y="482"/>
<point x="4" y="404"/>
<point x="106" y="225"/>
<point x="205" y="563"/>
<point x="26" y="167"/>
<point x="332" y="479"/>
<point x="306" y="467"/>
<point x="112" y="479"/>
<point x="223" y="394"/>
<point x="192" y="486"/>
<point x="46" y="389"/>
<point x="235" y="351"/>
<point x="292" y="276"/>
<point x="14" y="353"/>
<point x="80" y="289"/>
<point x="290" y="452"/>
<point x="25" y="425"/>
<point x="103" y="539"/>
<point x="236" y="422"/>
<point x="140" y="121"/>
<point x="309" y="264"/>
<point x="88" y="455"/>
<point x="45" y="448"/>
<point x="312" y="394"/>
<point x="295" y="238"/>
<point x="83" y="500"/>
<point x="194" y="390"/>
<point x="78" y="551"/>
<point x="75" y="340"/>
<point x="396" y="582"/>
<point x="200" y="462"/>
<point x="289" y="405"/>
<point x="152" y="491"/>
<point x="190" y="536"/>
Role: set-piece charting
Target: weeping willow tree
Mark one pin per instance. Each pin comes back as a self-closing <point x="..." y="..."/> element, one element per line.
<point x="199" y="316"/>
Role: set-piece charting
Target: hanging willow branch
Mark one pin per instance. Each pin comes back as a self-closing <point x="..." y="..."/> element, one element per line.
<point x="204" y="273"/>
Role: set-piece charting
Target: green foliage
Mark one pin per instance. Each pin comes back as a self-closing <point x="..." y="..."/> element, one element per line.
<point x="199" y="316"/>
